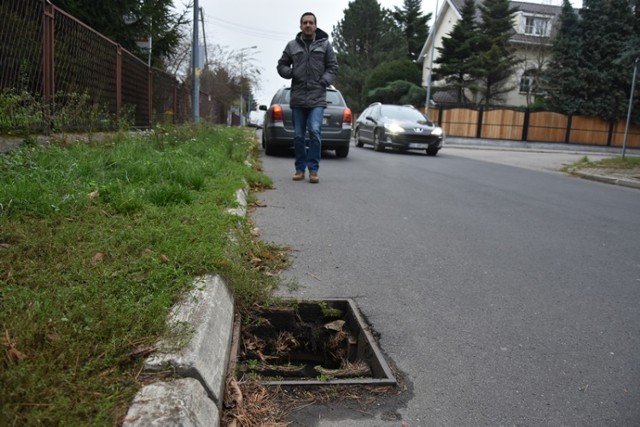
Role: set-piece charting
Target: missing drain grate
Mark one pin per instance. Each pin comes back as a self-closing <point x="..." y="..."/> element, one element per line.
<point x="310" y="343"/>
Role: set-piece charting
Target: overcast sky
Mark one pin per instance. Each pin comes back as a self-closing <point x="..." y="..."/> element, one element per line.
<point x="269" y="25"/>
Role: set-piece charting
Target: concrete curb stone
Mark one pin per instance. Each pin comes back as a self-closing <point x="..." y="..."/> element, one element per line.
<point x="181" y="402"/>
<point x="207" y="311"/>
<point x="196" y="399"/>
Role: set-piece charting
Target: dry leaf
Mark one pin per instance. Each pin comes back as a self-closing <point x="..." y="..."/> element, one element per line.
<point x="13" y="353"/>
<point x="94" y="195"/>
<point x="52" y="335"/>
<point x="97" y="258"/>
<point x="336" y="325"/>
<point x="164" y="258"/>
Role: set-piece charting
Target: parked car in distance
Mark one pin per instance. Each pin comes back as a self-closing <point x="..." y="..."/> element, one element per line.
<point x="277" y="128"/>
<point x="256" y="118"/>
<point x="401" y="127"/>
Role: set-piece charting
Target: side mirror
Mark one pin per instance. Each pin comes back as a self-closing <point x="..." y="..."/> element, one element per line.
<point x="262" y="107"/>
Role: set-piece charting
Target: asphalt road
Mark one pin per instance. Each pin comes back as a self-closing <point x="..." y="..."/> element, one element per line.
<point x="503" y="295"/>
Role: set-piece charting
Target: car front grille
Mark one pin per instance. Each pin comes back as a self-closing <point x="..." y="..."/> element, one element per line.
<point x="414" y="139"/>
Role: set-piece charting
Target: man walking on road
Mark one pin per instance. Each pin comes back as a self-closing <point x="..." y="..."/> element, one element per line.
<point x="311" y="64"/>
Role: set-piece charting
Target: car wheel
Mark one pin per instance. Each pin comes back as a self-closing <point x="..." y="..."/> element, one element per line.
<point x="357" y="138"/>
<point x="432" y="151"/>
<point x="377" y="145"/>
<point x="269" y="150"/>
<point x="342" y="152"/>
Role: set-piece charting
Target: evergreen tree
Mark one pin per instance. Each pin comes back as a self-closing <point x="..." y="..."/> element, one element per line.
<point x="606" y="27"/>
<point x="391" y="72"/>
<point x="399" y="92"/>
<point x="494" y="64"/>
<point x="124" y="21"/>
<point x="364" y="38"/>
<point x="454" y="62"/>
<point x="414" y="26"/>
<point x="561" y="80"/>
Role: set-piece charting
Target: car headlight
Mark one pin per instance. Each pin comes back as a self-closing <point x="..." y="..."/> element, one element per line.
<point x="393" y="128"/>
<point x="437" y="132"/>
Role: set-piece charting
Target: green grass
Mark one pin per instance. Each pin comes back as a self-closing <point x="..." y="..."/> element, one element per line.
<point x="97" y="241"/>
<point x="610" y="163"/>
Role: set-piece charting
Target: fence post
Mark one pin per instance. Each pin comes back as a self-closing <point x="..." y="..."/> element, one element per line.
<point x="525" y="125"/>
<point x="48" y="77"/>
<point x="150" y="93"/>
<point x="118" y="81"/>
<point x="479" y="128"/>
<point x="175" y="100"/>
<point x="567" y="135"/>
<point x="440" y="113"/>
<point x="610" y="135"/>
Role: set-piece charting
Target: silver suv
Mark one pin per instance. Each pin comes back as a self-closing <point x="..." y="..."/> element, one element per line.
<point x="277" y="128"/>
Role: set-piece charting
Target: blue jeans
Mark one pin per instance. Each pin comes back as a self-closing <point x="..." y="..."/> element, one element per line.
<point x="307" y="119"/>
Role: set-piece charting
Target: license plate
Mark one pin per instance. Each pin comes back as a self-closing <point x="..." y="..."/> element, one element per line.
<point x="418" y="146"/>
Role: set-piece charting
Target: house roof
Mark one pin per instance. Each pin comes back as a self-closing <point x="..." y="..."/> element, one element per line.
<point x="538" y="9"/>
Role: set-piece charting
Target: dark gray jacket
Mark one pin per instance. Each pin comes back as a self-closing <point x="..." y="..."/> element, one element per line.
<point x="310" y="70"/>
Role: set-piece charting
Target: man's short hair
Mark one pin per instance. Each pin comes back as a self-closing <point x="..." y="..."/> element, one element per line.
<point x="315" y="20"/>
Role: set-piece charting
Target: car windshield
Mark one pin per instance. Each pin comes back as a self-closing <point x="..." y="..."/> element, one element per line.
<point x="398" y="112"/>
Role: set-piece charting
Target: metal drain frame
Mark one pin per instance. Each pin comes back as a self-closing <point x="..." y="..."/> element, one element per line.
<point x="367" y="349"/>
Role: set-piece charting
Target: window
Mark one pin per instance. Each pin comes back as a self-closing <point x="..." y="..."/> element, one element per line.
<point x="528" y="82"/>
<point x="536" y="26"/>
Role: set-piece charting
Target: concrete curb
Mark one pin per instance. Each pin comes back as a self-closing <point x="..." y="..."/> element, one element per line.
<point x="181" y="402"/>
<point x="206" y="314"/>
<point x="609" y="179"/>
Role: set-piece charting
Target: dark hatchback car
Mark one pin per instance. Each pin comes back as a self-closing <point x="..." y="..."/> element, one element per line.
<point x="277" y="128"/>
<point x="401" y="127"/>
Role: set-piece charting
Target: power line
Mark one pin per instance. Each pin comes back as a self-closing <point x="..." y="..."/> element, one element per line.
<point x="242" y="28"/>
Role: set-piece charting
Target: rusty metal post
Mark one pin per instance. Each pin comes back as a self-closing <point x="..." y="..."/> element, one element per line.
<point x="118" y="71"/>
<point x="150" y="94"/>
<point x="175" y="100"/>
<point x="48" y="77"/>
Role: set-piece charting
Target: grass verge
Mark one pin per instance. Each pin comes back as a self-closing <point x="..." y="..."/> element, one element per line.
<point x="97" y="241"/>
<point x="610" y="163"/>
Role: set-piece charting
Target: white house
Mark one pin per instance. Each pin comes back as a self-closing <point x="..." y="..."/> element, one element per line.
<point x="534" y="26"/>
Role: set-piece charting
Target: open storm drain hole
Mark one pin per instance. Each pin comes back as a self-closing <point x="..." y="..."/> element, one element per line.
<point x="310" y="343"/>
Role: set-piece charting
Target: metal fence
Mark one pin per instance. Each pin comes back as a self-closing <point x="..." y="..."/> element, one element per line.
<point x="57" y="72"/>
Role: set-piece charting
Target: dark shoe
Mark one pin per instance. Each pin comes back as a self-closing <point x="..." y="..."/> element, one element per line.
<point x="298" y="176"/>
<point x="313" y="177"/>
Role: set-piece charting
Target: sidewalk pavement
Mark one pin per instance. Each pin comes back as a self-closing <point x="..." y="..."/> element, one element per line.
<point x="624" y="177"/>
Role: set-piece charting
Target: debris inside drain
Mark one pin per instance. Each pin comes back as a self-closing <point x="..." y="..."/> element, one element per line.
<point x="311" y="343"/>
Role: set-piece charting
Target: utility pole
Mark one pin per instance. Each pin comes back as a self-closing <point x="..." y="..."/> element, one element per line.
<point x="434" y="27"/>
<point x="633" y="88"/>
<point x="242" y="82"/>
<point x="195" y="65"/>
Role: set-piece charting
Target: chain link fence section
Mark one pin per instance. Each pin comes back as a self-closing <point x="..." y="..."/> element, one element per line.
<point x="58" y="74"/>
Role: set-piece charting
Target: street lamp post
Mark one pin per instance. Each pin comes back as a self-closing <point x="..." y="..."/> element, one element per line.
<point x="242" y="81"/>
<point x="633" y="87"/>
<point x="433" y="44"/>
<point x="195" y="64"/>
